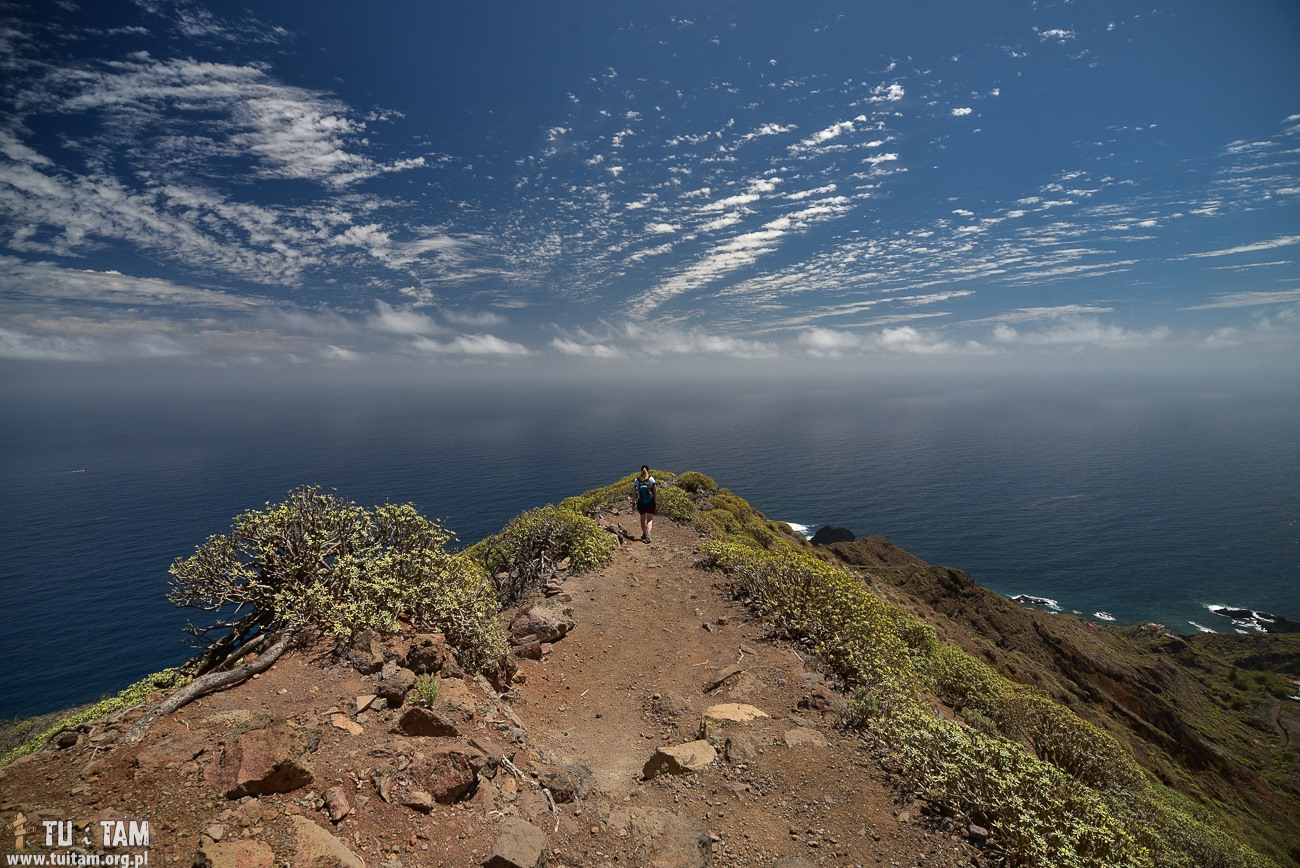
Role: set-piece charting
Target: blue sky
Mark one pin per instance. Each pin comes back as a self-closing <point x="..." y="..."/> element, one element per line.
<point x="341" y="183"/>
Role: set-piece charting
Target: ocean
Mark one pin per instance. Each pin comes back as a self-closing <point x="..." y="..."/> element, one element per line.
<point x="1121" y="503"/>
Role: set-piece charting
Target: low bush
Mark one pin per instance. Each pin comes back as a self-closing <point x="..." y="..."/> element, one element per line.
<point x="695" y="482"/>
<point x="1074" y="798"/>
<point x="523" y="554"/>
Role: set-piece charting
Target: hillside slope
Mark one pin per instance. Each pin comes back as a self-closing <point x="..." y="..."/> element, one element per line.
<point x="235" y="778"/>
<point x="1206" y="713"/>
<point x="652" y="718"/>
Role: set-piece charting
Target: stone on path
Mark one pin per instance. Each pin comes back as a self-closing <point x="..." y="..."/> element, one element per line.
<point x="316" y="848"/>
<point x="337" y="804"/>
<point x="417" y="721"/>
<point x="804" y="736"/>
<point x="234" y="854"/>
<point x="345" y="723"/>
<point x="519" y="844"/>
<point x="728" y="712"/>
<point x="679" y="759"/>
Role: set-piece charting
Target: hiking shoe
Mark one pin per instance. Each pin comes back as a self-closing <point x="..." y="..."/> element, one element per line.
<point x="645" y="538"/>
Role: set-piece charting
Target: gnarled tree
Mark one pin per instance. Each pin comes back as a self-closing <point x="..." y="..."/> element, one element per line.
<point x="320" y="561"/>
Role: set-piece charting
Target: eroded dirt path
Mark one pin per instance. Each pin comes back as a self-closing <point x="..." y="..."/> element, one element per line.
<point x="653" y="636"/>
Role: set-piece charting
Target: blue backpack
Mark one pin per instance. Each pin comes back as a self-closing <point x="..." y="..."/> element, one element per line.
<point x="645" y="492"/>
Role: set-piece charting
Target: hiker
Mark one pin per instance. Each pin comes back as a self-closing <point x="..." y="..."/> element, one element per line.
<point x="643" y="491"/>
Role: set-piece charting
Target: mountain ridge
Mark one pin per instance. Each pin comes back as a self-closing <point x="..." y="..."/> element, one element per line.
<point x="656" y="642"/>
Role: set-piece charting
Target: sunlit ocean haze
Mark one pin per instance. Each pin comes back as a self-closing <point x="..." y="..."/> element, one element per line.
<point x="1132" y="498"/>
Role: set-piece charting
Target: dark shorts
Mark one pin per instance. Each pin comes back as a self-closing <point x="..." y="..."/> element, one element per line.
<point x="646" y="509"/>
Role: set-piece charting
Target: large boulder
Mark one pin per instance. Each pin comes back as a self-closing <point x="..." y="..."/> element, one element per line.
<point x="679" y="759"/>
<point x="545" y="622"/>
<point x="428" y="654"/>
<point x="447" y="775"/>
<point x="316" y="848"/>
<point x="262" y="761"/>
<point x="394" y="683"/>
<point x="233" y="854"/>
<point x="364" y="651"/>
<point x="832" y="534"/>
<point x="426" y="722"/>
<point x="519" y="844"/>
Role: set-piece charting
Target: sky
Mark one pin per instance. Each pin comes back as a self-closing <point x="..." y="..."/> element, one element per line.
<point x="340" y="184"/>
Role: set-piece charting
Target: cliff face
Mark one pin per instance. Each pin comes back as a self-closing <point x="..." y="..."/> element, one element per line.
<point x="1209" y="714"/>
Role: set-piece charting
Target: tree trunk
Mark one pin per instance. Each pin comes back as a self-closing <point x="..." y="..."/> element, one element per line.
<point x="207" y="684"/>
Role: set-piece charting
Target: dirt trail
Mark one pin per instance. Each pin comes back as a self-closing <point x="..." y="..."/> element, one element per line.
<point x="653" y="633"/>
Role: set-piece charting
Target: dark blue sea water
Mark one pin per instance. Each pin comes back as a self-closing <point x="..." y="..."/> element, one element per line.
<point x="1142" y="502"/>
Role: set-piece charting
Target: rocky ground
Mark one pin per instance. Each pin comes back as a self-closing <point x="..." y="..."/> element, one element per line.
<point x="651" y="722"/>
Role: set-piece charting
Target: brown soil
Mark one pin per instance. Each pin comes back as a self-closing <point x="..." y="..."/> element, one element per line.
<point x="652" y="633"/>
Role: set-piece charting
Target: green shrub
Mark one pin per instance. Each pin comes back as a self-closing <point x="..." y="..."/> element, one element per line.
<point x="1078" y="799"/>
<point x="319" y="560"/>
<point x="674" y="503"/>
<point x="695" y="482"/>
<point x="523" y="554"/>
<point x="425" y="691"/>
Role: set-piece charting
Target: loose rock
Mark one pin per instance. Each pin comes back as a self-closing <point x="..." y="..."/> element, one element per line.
<point x="519" y="844"/>
<point x="679" y="759"/>
<point x="316" y="848"/>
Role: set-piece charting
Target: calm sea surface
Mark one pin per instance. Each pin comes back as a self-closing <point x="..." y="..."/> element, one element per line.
<point x="1149" y="505"/>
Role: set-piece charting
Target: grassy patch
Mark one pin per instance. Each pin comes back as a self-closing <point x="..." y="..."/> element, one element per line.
<point x="133" y="695"/>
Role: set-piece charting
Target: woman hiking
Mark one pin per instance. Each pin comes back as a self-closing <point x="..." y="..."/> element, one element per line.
<point x="643" y="492"/>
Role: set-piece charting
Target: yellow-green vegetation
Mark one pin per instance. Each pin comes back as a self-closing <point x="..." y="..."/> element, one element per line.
<point x="724" y="516"/>
<point x="615" y="494"/>
<point x="523" y="554"/>
<point x="696" y="482"/>
<point x="131" y="696"/>
<point x="322" y="561"/>
<point x="1053" y="788"/>
<point x="425" y="691"/>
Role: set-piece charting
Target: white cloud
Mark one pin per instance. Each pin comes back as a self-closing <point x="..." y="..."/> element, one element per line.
<point x="45" y="280"/>
<point x="339" y="354"/>
<point x="768" y="130"/>
<point x="292" y="132"/>
<point x="1249" y="299"/>
<point x="403" y="321"/>
<point x="1082" y="332"/>
<point x="20" y="345"/>
<point x="1058" y="34"/>
<point x="823" y="342"/>
<point x="1284" y="241"/>
<point x="1033" y="314"/>
<point x="887" y="93"/>
<point x="909" y="339"/>
<point x="661" y="228"/>
<point x="834" y="131"/>
<point x="962" y="111"/>
<point x="590" y="350"/>
<point x="472" y="345"/>
<point x="468" y="318"/>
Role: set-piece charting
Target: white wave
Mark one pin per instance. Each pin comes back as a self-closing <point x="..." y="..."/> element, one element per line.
<point x="1244" y="619"/>
<point x="1202" y="628"/>
<point x="1103" y="616"/>
<point x="803" y="530"/>
<point x="1031" y="600"/>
